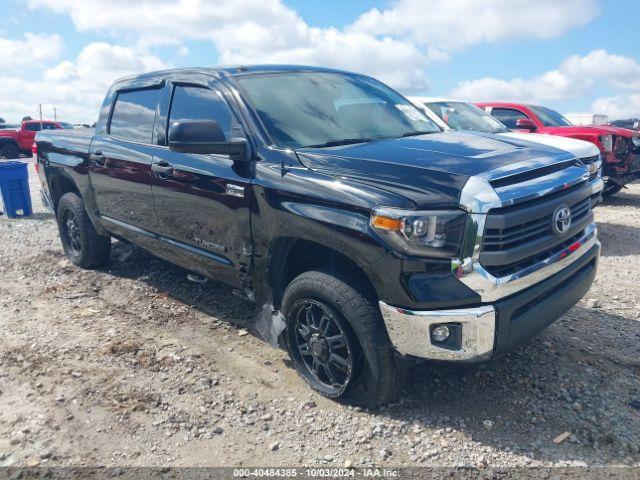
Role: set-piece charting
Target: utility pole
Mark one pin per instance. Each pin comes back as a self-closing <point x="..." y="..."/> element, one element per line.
<point x="40" y="108"/>
<point x="55" y="114"/>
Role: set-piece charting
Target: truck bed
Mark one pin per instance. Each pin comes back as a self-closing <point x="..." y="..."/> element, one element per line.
<point x="65" y="145"/>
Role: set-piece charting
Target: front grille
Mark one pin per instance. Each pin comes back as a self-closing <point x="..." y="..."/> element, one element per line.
<point x="519" y="236"/>
<point x="508" y="269"/>
<point x="496" y="239"/>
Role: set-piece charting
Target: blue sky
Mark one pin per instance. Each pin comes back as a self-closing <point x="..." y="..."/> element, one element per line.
<point x="573" y="55"/>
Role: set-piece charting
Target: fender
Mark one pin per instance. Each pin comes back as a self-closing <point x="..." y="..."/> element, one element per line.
<point x="297" y="204"/>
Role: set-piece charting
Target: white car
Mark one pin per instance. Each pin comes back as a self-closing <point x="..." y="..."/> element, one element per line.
<point x="458" y="115"/>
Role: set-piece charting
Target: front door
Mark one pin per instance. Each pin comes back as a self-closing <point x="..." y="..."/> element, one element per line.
<point x="203" y="201"/>
<point x="120" y="166"/>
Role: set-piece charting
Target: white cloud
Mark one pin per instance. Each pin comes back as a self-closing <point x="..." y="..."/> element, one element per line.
<point x="618" y="107"/>
<point x="253" y="31"/>
<point x="77" y="87"/>
<point x="455" y="24"/>
<point x="395" y="45"/>
<point x="32" y="50"/>
<point x="574" y="77"/>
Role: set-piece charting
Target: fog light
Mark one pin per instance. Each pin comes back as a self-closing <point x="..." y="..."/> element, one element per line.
<point x="440" y="333"/>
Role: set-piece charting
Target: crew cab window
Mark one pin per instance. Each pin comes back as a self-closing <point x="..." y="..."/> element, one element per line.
<point x="134" y="114"/>
<point x="200" y="103"/>
<point x="32" y="127"/>
<point x="508" y="116"/>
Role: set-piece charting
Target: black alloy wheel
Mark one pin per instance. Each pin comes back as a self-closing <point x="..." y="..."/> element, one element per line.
<point x="323" y="347"/>
<point x="71" y="232"/>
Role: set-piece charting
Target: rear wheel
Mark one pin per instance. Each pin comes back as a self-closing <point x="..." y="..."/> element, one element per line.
<point x="338" y="342"/>
<point x="81" y="242"/>
<point x="10" y="150"/>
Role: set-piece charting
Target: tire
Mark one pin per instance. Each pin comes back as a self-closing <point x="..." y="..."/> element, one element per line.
<point x="80" y="241"/>
<point x="610" y="188"/>
<point x="376" y="372"/>
<point x="10" y="151"/>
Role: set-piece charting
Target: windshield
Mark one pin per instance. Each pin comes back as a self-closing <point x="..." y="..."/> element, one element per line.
<point x="320" y="109"/>
<point x="550" y="118"/>
<point x="463" y="116"/>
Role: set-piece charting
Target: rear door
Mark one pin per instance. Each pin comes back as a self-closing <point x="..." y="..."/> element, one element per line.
<point x="203" y="201"/>
<point x="120" y="165"/>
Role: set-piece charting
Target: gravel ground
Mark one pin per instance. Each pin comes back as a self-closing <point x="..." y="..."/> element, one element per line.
<point x="135" y="365"/>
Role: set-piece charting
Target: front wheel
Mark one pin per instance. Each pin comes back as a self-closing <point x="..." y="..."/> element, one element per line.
<point x="338" y="342"/>
<point x="80" y="241"/>
<point x="611" y="187"/>
<point x="10" y="151"/>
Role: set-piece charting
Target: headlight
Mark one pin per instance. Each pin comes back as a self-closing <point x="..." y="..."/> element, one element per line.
<point x="607" y="142"/>
<point x="425" y="234"/>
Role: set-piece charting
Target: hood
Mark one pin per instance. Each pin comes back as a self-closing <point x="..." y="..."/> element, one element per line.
<point x="8" y="132"/>
<point x="579" y="148"/>
<point x="589" y="130"/>
<point x="428" y="169"/>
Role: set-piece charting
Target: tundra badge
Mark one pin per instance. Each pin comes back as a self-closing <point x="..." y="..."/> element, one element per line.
<point x="235" y="190"/>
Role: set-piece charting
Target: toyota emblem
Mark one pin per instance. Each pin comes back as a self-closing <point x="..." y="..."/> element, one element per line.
<point x="561" y="220"/>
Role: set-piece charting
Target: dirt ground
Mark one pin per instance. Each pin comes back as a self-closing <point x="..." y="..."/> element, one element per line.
<point x="135" y="365"/>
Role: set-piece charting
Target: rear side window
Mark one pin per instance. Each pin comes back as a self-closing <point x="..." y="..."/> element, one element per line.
<point x="508" y="116"/>
<point x="49" y="126"/>
<point x="199" y="103"/>
<point x="32" y="127"/>
<point x="134" y="114"/>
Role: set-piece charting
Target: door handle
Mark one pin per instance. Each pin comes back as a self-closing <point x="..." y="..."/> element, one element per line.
<point x="98" y="159"/>
<point x="163" y="168"/>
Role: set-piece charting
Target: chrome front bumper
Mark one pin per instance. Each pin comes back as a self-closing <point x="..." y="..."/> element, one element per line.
<point x="409" y="332"/>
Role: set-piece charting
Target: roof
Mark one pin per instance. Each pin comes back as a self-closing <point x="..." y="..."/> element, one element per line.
<point x="432" y="99"/>
<point x="504" y="104"/>
<point x="233" y="70"/>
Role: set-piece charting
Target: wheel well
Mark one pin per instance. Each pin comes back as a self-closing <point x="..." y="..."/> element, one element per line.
<point x="8" y="140"/>
<point x="294" y="257"/>
<point x="60" y="186"/>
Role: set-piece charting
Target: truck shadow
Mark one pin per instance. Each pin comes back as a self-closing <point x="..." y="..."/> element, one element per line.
<point x="624" y="198"/>
<point x="618" y="240"/>
<point x="562" y="381"/>
<point x="212" y="298"/>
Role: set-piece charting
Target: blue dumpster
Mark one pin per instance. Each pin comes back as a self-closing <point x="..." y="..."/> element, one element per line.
<point x="14" y="186"/>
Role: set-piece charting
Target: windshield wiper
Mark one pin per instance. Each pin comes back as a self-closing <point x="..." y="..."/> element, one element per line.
<point x="342" y="141"/>
<point x="415" y="133"/>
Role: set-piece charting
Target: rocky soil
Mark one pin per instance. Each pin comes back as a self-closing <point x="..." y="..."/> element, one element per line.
<point x="135" y="365"/>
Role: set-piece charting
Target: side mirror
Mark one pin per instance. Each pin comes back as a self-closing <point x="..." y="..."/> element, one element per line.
<point x="204" y="137"/>
<point x="636" y="125"/>
<point x="526" y="124"/>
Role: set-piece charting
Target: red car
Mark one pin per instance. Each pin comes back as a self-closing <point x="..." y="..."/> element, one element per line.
<point x="13" y="142"/>
<point x="620" y="147"/>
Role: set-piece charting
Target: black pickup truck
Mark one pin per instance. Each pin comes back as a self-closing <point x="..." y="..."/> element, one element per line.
<point x="328" y="197"/>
